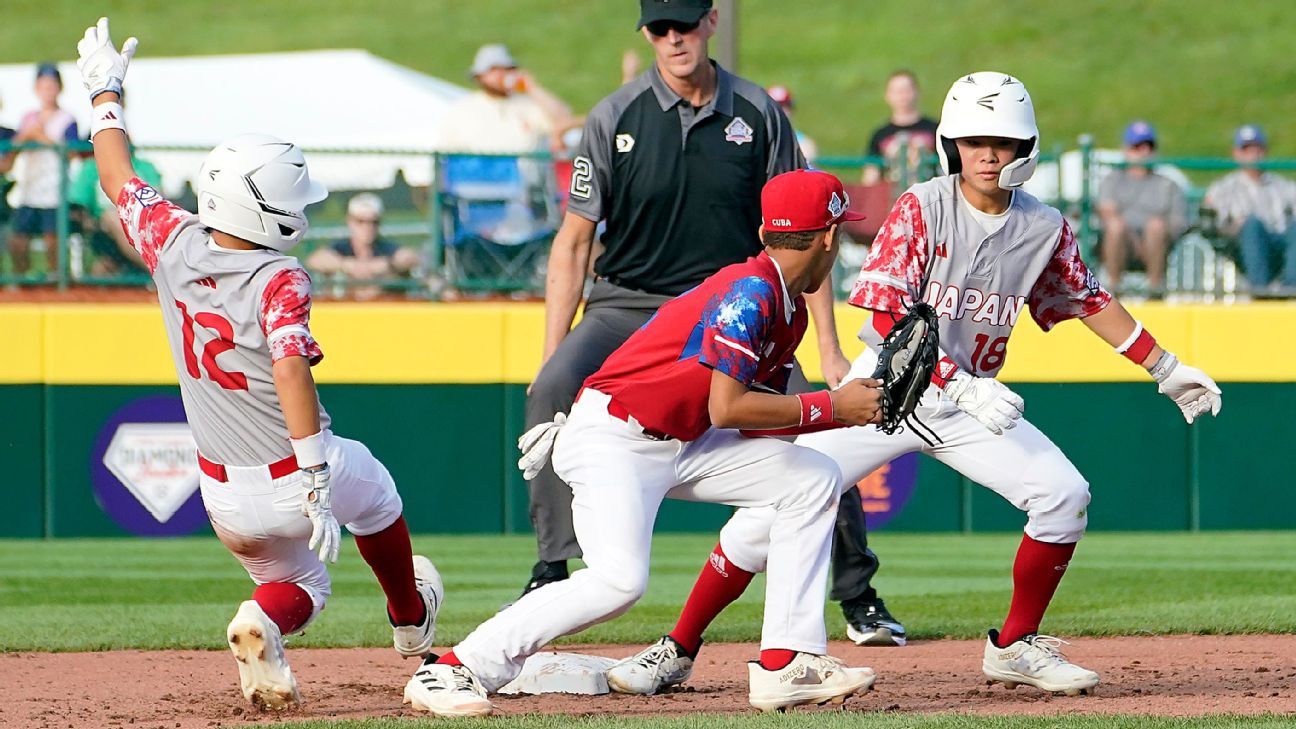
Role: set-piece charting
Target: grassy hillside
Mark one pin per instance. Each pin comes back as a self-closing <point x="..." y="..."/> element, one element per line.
<point x="1195" y="68"/>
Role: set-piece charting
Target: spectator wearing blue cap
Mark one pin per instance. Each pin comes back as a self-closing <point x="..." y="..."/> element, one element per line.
<point x="1256" y="208"/>
<point x="36" y="173"/>
<point x="1141" y="211"/>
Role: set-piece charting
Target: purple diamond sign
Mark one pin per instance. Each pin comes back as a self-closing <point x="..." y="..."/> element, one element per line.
<point x="884" y="492"/>
<point x="144" y="469"/>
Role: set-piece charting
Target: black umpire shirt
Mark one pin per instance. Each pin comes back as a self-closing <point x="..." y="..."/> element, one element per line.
<point x="678" y="186"/>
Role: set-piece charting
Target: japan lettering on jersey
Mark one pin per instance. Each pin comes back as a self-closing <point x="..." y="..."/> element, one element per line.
<point x="738" y="321"/>
<point x="931" y="248"/>
<point x="229" y="316"/>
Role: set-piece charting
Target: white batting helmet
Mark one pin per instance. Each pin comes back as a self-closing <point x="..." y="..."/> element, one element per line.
<point x="989" y="104"/>
<point x="256" y="187"/>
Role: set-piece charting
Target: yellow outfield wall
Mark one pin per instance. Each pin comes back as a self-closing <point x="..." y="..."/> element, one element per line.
<point x="427" y="343"/>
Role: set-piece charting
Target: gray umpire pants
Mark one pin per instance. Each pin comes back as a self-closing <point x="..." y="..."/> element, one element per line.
<point x="611" y="315"/>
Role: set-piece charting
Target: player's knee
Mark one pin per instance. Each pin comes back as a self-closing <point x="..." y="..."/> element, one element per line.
<point x="745" y="538"/>
<point x="612" y="592"/>
<point x="814" y="481"/>
<point x="1062" y="515"/>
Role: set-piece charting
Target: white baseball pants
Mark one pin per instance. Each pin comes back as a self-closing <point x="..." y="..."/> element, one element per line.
<point x="619" y="478"/>
<point x="260" y="520"/>
<point x="1022" y="465"/>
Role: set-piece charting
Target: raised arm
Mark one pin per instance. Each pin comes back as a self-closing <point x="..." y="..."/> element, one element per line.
<point x="103" y="68"/>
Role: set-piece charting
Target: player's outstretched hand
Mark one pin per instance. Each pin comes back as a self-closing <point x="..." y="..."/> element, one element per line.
<point x="1191" y="389"/>
<point x="537" y="444"/>
<point x="988" y="400"/>
<point x="858" y="402"/>
<point x="103" y="68"/>
<point x="317" y="505"/>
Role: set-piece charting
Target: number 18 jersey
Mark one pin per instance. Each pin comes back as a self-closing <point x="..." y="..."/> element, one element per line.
<point x="229" y="315"/>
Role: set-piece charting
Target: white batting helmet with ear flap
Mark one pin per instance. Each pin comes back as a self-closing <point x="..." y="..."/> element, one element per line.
<point x="989" y="104"/>
<point x="256" y="187"/>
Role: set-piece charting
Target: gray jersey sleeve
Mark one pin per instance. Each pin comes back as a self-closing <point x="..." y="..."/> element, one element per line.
<point x="591" y="181"/>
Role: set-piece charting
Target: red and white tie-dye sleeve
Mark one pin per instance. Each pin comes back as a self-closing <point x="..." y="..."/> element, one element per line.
<point x="1066" y="289"/>
<point x="891" y="278"/>
<point x="285" y="316"/>
<point x="149" y="219"/>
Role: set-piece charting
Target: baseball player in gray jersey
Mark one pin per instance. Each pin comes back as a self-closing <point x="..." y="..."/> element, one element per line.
<point x="980" y="250"/>
<point x="275" y="481"/>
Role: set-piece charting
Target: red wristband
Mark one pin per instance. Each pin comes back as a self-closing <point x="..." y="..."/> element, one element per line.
<point x="816" y="407"/>
<point x="944" y="372"/>
<point x="1141" y="348"/>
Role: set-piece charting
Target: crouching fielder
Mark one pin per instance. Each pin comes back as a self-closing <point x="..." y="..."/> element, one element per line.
<point x="275" y="481"/>
<point x="979" y="250"/>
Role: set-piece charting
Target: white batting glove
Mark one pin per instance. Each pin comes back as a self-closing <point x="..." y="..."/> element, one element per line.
<point x="986" y="399"/>
<point x="537" y="445"/>
<point x="102" y="67"/>
<point x="326" y="535"/>
<point x="1191" y="389"/>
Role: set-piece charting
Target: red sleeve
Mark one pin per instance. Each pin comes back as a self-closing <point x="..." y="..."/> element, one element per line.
<point x="892" y="275"/>
<point x="285" y="316"/>
<point x="149" y="219"/>
<point x="1066" y="289"/>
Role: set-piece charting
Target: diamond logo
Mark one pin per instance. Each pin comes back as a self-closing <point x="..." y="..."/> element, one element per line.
<point x="157" y="463"/>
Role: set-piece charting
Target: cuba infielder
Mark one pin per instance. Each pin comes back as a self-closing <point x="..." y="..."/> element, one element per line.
<point x="274" y="480"/>
<point x="981" y="251"/>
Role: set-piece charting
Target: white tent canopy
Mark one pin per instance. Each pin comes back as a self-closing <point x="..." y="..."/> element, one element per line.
<point x="330" y="99"/>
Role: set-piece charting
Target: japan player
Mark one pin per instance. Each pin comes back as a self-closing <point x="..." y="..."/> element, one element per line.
<point x="274" y="480"/>
<point x="980" y="250"/>
<point x="659" y="420"/>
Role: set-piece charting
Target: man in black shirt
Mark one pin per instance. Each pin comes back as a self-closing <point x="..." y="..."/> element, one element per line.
<point x="907" y="133"/>
<point x="674" y="162"/>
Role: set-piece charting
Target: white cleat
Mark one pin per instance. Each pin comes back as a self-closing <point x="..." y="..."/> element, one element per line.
<point x="255" y="641"/>
<point x="1036" y="660"/>
<point x="444" y="690"/>
<point x="808" y="679"/>
<point x="415" y="641"/>
<point x="660" y="665"/>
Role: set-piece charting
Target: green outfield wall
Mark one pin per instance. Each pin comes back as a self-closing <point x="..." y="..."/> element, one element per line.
<point x="437" y="392"/>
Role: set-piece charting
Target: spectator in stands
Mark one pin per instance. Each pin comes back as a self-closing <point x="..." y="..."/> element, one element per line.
<point x="6" y="163"/>
<point x="1256" y="208"/>
<point x="36" y="173"/>
<point x="783" y="95"/>
<point x="97" y="217"/>
<point x="1140" y="211"/>
<point x="510" y="113"/>
<point x="906" y="132"/>
<point x="364" y="255"/>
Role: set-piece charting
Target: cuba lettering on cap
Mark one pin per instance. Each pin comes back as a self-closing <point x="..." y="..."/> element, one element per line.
<point x="805" y="200"/>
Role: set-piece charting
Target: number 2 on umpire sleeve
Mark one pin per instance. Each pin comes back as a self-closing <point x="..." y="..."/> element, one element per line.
<point x="582" y="176"/>
<point x="223" y="343"/>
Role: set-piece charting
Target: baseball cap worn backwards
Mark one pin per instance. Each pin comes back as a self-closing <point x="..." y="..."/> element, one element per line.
<point x="804" y="200"/>
<point x="681" y="11"/>
<point x="1139" y="132"/>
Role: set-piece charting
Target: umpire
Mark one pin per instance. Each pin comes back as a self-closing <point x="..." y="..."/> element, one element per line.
<point x="674" y="162"/>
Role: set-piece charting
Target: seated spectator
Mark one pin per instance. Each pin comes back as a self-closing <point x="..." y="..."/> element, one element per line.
<point x="364" y="255"/>
<point x="113" y="253"/>
<point x="907" y="132"/>
<point x="783" y="95"/>
<point x="510" y="113"/>
<point x="1255" y="208"/>
<point x="1140" y="210"/>
<point x="36" y="173"/>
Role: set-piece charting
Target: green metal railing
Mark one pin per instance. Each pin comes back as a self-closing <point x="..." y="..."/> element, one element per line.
<point x="422" y="218"/>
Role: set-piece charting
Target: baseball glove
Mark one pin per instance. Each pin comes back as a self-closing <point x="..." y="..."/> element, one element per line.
<point x="905" y="364"/>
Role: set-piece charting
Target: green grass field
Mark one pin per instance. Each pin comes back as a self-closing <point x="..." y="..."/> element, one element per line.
<point x="106" y="594"/>
<point x="1194" y="67"/>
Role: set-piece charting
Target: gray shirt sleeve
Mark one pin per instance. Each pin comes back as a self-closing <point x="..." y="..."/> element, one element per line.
<point x="784" y="151"/>
<point x="591" y="181"/>
<point x="1178" y="216"/>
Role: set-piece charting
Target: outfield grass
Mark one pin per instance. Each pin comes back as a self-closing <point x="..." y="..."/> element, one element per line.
<point x="108" y="594"/>
<point x="820" y="720"/>
<point x="1197" y="68"/>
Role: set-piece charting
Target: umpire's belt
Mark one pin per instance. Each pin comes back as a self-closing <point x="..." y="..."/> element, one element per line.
<point x="278" y="469"/>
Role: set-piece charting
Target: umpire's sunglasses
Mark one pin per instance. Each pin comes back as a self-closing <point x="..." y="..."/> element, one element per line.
<point x="661" y="28"/>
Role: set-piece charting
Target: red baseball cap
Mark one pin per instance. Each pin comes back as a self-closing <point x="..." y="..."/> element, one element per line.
<point x="805" y="200"/>
<point x="782" y="96"/>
